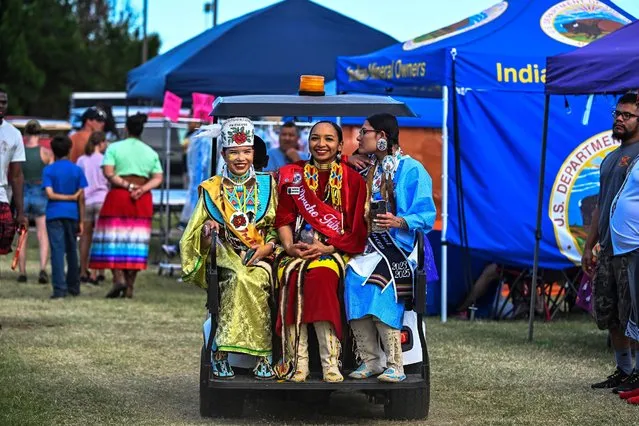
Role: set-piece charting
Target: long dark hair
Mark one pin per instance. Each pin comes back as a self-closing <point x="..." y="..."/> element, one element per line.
<point x="388" y="124"/>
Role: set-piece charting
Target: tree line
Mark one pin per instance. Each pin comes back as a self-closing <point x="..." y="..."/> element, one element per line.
<point x="50" y="48"/>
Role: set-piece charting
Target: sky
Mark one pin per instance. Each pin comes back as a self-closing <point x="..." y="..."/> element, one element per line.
<point x="179" y="20"/>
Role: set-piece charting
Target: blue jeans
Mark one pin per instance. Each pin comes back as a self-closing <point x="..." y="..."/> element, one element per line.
<point x="62" y="240"/>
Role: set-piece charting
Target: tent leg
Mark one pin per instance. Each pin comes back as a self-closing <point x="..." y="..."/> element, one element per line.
<point x="444" y="262"/>
<point x="540" y="201"/>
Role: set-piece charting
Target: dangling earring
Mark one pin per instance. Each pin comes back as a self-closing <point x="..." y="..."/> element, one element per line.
<point x="338" y="157"/>
<point x="382" y="144"/>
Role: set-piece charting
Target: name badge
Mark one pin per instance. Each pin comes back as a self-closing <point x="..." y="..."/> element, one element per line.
<point x="293" y="190"/>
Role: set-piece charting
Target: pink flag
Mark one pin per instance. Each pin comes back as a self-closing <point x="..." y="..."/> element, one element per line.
<point x="171" y="106"/>
<point x="202" y="106"/>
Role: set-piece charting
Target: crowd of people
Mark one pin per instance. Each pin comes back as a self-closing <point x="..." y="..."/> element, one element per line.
<point x="82" y="187"/>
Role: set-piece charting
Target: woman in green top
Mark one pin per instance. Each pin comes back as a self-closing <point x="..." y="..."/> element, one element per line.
<point x="123" y="231"/>
<point x="35" y="201"/>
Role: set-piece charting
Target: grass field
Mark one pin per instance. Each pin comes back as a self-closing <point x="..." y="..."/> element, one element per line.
<point x="88" y="360"/>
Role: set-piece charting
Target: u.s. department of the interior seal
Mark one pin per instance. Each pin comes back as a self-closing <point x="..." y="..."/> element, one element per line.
<point x="574" y="194"/>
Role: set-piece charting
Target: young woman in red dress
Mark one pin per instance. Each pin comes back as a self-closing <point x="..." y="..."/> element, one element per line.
<point x="321" y="223"/>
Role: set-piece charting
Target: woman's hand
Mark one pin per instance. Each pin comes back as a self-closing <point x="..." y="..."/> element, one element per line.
<point x="261" y="252"/>
<point x="209" y="228"/>
<point x="359" y="161"/>
<point x="389" y="220"/>
<point x="309" y="251"/>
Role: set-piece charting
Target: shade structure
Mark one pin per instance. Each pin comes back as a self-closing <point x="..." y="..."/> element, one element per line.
<point x="261" y="52"/>
<point x="310" y="106"/>
<point x="607" y="65"/>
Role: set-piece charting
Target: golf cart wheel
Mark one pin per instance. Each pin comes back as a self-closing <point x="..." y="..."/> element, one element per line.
<point x="217" y="402"/>
<point x="408" y="404"/>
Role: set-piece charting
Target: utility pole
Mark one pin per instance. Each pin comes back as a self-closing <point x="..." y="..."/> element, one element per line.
<point x="145" y="44"/>
<point x="212" y="8"/>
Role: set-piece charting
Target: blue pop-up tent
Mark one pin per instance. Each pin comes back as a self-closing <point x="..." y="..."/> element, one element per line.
<point x="490" y="70"/>
<point x="262" y="52"/>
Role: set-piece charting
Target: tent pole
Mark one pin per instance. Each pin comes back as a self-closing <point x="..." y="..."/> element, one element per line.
<point x="444" y="262"/>
<point x="540" y="201"/>
<point x="167" y="171"/>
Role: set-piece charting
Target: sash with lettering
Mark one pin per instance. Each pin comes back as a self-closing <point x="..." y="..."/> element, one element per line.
<point x="249" y="235"/>
<point x="322" y="217"/>
<point x="395" y="266"/>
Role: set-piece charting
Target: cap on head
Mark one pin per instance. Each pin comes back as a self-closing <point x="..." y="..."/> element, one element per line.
<point x="94" y="113"/>
<point x="236" y="132"/>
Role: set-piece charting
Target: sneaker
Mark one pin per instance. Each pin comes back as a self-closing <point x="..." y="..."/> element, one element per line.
<point x="631" y="383"/>
<point x="43" y="278"/>
<point x="169" y="250"/>
<point x="22" y="278"/>
<point x="614" y="380"/>
<point x="392" y="375"/>
<point x="364" y="371"/>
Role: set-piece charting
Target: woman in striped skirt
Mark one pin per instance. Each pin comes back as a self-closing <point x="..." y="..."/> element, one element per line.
<point x="123" y="231"/>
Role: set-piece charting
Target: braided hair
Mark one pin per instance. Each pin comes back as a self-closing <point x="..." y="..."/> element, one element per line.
<point x="387" y="123"/>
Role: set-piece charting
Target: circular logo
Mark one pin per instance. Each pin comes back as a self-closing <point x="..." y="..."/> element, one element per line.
<point x="462" y="26"/>
<point x="574" y="194"/>
<point x="578" y="22"/>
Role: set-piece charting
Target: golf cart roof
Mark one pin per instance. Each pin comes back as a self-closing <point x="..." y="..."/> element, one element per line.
<point x="309" y="106"/>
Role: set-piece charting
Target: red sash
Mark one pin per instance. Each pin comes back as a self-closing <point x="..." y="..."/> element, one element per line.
<point x="322" y="217"/>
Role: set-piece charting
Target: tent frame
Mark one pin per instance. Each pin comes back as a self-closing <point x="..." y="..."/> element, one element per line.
<point x="540" y="197"/>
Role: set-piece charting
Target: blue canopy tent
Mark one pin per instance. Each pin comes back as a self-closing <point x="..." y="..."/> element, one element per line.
<point x="263" y="52"/>
<point x="606" y="66"/>
<point x="486" y="64"/>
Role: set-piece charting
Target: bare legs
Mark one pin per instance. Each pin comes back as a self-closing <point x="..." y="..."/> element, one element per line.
<point x="43" y="244"/>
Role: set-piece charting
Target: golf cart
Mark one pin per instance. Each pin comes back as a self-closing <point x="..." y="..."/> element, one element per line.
<point x="408" y="399"/>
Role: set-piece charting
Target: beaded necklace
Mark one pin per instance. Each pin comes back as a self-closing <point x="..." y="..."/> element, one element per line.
<point x="311" y="176"/>
<point x="242" y="197"/>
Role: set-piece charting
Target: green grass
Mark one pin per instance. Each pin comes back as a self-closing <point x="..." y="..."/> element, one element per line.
<point x="89" y="360"/>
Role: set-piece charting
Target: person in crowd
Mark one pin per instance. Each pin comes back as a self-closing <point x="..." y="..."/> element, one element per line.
<point x="611" y="285"/>
<point x="379" y="282"/>
<point x="64" y="184"/>
<point x="110" y="127"/>
<point x="94" y="195"/>
<point x="197" y="166"/>
<point x="260" y="154"/>
<point x="616" y="283"/>
<point x="93" y="120"/>
<point x="320" y="220"/>
<point x="237" y="210"/>
<point x="123" y="230"/>
<point x="288" y="152"/>
<point x="11" y="178"/>
<point x="35" y="200"/>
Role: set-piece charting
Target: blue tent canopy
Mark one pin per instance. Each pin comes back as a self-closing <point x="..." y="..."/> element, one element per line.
<point x="608" y="65"/>
<point x="490" y="69"/>
<point x="263" y="52"/>
<point x="502" y="48"/>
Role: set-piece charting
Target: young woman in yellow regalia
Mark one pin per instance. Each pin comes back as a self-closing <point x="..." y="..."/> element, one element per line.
<point x="236" y="211"/>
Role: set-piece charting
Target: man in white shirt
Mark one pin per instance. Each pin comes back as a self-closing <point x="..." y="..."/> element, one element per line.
<point x="11" y="155"/>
